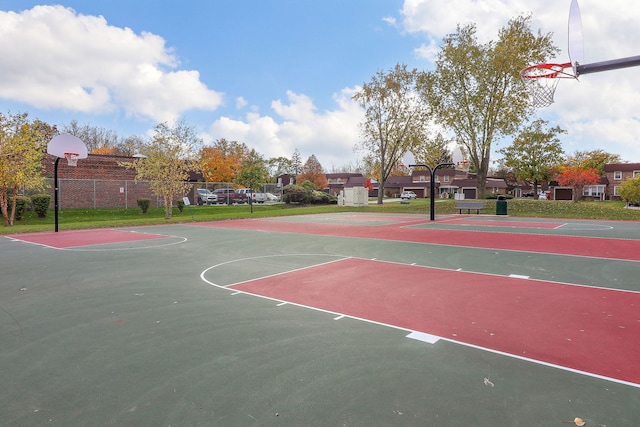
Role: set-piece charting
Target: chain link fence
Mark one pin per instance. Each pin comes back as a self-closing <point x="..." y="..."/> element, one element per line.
<point x="97" y="193"/>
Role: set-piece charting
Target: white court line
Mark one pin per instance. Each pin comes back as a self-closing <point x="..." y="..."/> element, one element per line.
<point x="518" y="276"/>
<point x="424" y="337"/>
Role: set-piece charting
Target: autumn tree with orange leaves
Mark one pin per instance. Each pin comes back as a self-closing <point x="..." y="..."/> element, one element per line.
<point x="577" y="178"/>
<point x="105" y="149"/>
<point x="312" y="171"/>
<point x="221" y="162"/>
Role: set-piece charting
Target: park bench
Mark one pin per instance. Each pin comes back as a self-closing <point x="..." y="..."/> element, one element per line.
<point x="469" y="206"/>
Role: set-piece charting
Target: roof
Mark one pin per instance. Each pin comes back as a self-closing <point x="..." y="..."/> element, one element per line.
<point x="342" y="175"/>
<point x="622" y="167"/>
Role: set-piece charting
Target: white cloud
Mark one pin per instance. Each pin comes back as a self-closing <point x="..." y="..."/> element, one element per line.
<point x="390" y="20"/>
<point x="54" y="58"/>
<point x="329" y="135"/>
<point x="241" y="102"/>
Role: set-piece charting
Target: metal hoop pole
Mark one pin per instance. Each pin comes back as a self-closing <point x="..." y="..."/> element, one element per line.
<point x="614" y="64"/>
<point x="432" y="172"/>
<point x="55" y="192"/>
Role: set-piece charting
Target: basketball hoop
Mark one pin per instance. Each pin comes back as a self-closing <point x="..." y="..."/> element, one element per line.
<point x="541" y="81"/>
<point x="72" y="158"/>
<point x="463" y="166"/>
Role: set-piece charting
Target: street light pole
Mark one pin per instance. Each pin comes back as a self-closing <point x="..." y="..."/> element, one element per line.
<point x="432" y="172"/>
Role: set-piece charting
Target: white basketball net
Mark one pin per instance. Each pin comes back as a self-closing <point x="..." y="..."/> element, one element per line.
<point x="541" y="82"/>
<point x="72" y="159"/>
<point x="463" y="165"/>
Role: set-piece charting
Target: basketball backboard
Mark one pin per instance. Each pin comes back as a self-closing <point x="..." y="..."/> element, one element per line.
<point x="575" y="37"/>
<point x="65" y="144"/>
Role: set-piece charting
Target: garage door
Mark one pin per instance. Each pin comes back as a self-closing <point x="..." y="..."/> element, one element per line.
<point x="469" y="193"/>
<point x="563" y="194"/>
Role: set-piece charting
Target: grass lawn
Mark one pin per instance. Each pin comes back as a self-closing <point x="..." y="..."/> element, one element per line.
<point x="73" y="219"/>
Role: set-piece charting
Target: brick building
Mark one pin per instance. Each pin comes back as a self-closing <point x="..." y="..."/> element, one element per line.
<point x="99" y="181"/>
<point x="616" y="174"/>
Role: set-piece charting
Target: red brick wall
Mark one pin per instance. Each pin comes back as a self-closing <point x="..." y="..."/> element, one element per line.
<point x="97" y="182"/>
<point x="95" y="166"/>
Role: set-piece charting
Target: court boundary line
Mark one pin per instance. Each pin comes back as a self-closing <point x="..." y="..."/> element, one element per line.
<point x="12" y="238"/>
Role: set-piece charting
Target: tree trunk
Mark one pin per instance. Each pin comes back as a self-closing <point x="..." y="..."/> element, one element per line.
<point x="4" y="199"/>
<point x="12" y="216"/>
<point x="168" y="207"/>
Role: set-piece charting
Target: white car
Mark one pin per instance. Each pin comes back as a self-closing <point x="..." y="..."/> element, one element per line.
<point x="408" y="195"/>
<point x="272" y="197"/>
<point x="206" y="197"/>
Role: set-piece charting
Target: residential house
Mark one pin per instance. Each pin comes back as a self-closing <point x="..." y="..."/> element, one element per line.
<point x="616" y="174"/>
<point x="338" y="181"/>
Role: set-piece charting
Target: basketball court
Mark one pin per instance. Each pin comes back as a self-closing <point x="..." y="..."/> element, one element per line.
<point x="333" y="319"/>
<point x="327" y="320"/>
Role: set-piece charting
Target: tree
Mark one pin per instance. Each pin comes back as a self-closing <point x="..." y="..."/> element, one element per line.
<point x="432" y="151"/>
<point x="104" y="150"/>
<point x="395" y="119"/>
<point x="22" y="147"/>
<point x="577" y="178"/>
<point x="534" y="153"/>
<point x="167" y="162"/>
<point x="312" y="171"/>
<point x="594" y="159"/>
<point x="295" y="164"/>
<point x="629" y="190"/>
<point x="476" y="91"/>
<point x="278" y="166"/>
<point x="253" y="171"/>
<point x="221" y="162"/>
<point x="95" y="138"/>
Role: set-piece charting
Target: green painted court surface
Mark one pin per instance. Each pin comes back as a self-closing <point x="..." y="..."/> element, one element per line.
<point x="130" y="334"/>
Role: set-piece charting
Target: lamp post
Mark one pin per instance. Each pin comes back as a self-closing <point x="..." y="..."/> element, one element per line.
<point x="432" y="172"/>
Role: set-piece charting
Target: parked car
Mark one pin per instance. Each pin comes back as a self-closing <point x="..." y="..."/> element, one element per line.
<point x="408" y="195"/>
<point x="254" y="195"/>
<point x="528" y="194"/>
<point x="230" y="196"/>
<point x="206" y="197"/>
<point x="272" y="197"/>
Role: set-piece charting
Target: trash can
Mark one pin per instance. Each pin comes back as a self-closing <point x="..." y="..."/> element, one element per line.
<point x="501" y="205"/>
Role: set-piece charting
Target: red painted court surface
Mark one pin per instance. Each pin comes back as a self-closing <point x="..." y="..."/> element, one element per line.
<point x="586" y="329"/>
<point x="69" y="239"/>
<point x="600" y="247"/>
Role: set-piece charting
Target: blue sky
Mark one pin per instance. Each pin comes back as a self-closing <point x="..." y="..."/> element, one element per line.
<point x="279" y="74"/>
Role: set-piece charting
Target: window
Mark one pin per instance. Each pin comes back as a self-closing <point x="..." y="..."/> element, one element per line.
<point x="636" y="173"/>
<point x="615" y="190"/>
<point x="617" y="175"/>
<point x="593" y="190"/>
<point x="422" y="178"/>
<point x="446" y="178"/>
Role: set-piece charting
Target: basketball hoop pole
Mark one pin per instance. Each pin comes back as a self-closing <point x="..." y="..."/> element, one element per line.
<point x="55" y="192"/>
<point x="432" y="172"/>
<point x="614" y="64"/>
